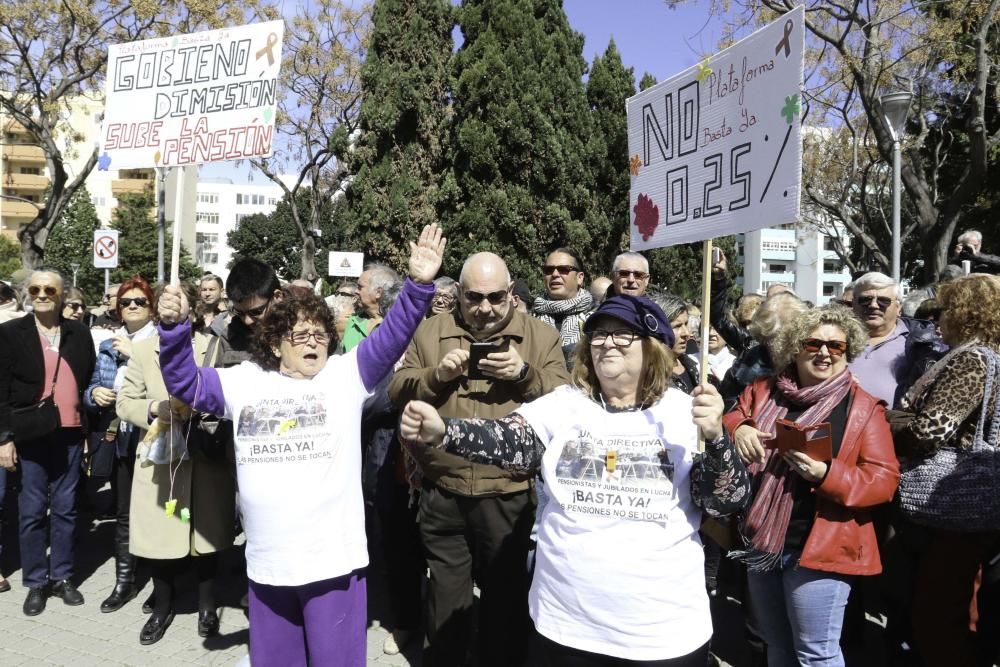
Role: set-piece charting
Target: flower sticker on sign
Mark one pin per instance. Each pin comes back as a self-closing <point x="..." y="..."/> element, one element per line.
<point x="719" y="145"/>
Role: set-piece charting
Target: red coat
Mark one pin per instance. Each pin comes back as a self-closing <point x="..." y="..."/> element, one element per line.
<point x="865" y="473"/>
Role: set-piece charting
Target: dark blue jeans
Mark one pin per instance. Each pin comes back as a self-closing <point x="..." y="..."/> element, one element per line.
<point x="50" y="470"/>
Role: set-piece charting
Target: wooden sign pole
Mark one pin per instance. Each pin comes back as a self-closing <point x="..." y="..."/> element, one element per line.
<point x="175" y="249"/>
<point x="706" y="296"/>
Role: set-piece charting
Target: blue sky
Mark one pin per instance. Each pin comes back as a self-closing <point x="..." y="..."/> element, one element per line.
<point x="650" y="37"/>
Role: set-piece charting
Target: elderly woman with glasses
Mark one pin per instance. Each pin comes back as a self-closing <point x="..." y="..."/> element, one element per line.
<point x="74" y="304"/>
<point x="821" y="457"/>
<point x="619" y="565"/>
<point x="297" y="413"/>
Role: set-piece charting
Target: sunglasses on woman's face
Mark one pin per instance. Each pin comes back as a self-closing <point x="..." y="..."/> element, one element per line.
<point x="73" y="305"/>
<point x="836" y="348"/>
<point x="50" y="291"/>
<point x="140" y="301"/>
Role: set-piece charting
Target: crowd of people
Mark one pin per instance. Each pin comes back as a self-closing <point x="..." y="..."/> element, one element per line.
<point x="561" y="454"/>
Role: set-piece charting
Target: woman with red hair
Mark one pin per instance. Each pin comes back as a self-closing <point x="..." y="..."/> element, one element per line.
<point x="135" y="311"/>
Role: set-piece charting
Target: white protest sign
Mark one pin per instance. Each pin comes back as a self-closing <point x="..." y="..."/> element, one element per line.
<point x="106" y="249"/>
<point x="346" y="263"/>
<point x="189" y="99"/>
<point x="716" y="149"/>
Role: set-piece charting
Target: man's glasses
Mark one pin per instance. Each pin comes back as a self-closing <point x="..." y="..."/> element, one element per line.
<point x="73" y="305"/>
<point x="836" y="348"/>
<point x="495" y="298"/>
<point x="50" y="291"/>
<point x="251" y="312"/>
<point x="563" y="269"/>
<point x="624" y="274"/>
<point x="302" y="337"/>
<point x="140" y="301"/>
<point x="883" y="301"/>
<point x="445" y="298"/>
<point x="619" y="337"/>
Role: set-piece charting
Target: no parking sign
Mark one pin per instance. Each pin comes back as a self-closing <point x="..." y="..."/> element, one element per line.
<point x="106" y="249"/>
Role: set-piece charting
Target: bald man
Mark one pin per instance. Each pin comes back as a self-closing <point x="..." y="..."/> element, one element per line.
<point x="476" y="517"/>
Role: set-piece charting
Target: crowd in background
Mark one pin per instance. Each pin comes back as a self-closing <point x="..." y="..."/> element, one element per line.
<point x="888" y="401"/>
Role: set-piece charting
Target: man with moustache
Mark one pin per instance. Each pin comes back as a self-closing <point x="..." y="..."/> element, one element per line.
<point x="475" y="517"/>
<point x="630" y="273"/>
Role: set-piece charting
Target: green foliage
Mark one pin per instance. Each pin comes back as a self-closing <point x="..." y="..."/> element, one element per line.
<point x="523" y="161"/>
<point x="647" y="81"/>
<point x="137" y="241"/>
<point x="10" y="257"/>
<point x="71" y="242"/>
<point x="274" y="239"/>
<point x="677" y="269"/>
<point x="400" y="160"/>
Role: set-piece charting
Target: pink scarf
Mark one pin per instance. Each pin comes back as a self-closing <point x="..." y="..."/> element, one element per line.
<point x="765" y="525"/>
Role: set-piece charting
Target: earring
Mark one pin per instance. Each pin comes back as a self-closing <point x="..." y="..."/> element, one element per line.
<point x="276" y="351"/>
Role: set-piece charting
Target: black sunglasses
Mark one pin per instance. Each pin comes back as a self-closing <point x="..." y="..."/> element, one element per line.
<point x="251" y="312"/>
<point x="140" y="301"/>
<point x="866" y="301"/>
<point x="35" y="290"/>
<point x="836" y="348"/>
<point x="73" y="306"/>
<point x="563" y="269"/>
<point x="495" y="298"/>
<point x="624" y="274"/>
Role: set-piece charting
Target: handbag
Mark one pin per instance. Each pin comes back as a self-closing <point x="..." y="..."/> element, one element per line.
<point x="41" y="418"/>
<point x="101" y="456"/>
<point x="954" y="488"/>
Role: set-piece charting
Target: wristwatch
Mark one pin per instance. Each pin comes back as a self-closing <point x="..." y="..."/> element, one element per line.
<point x="524" y="372"/>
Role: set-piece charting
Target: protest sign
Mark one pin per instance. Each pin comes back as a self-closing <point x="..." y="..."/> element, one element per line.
<point x="189" y="99"/>
<point x="716" y="149"/>
<point x="346" y="263"/>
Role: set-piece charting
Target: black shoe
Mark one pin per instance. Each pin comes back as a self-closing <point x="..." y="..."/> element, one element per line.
<point x="147" y="606"/>
<point x="208" y="623"/>
<point x="34" y="604"/>
<point x="120" y="594"/>
<point x="67" y="591"/>
<point x="154" y="628"/>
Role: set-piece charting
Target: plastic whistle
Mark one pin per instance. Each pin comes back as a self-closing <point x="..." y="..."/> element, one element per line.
<point x="185" y="514"/>
<point x="170" y="506"/>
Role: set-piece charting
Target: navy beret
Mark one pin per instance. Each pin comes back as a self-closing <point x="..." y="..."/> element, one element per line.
<point x="638" y="313"/>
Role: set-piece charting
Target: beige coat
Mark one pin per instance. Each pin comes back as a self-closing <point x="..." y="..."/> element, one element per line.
<point x="205" y="486"/>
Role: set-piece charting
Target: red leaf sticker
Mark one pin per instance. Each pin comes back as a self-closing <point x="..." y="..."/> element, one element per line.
<point x="647" y="216"/>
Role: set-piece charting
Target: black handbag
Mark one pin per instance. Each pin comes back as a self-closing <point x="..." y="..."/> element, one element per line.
<point x="39" y="419"/>
<point x="101" y="456"/>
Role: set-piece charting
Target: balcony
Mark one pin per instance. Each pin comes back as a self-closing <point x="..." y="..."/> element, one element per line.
<point x="11" y="209"/>
<point x="25" y="182"/>
<point x="23" y="153"/>
<point x="131" y="186"/>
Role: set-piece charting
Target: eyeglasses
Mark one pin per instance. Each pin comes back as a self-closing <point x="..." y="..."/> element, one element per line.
<point x="444" y="298"/>
<point x="883" y="301"/>
<point x="844" y="302"/>
<point x="563" y="269"/>
<point x="50" y="291"/>
<point x="624" y="274"/>
<point x="251" y="312"/>
<point x="302" y="337"/>
<point x="619" y="337"/>
<point x="495" y="298"/>
<point x="836" y="348"/>
<point x="347" y="294"/>
<point x="140" y="301"/>
<point x="74" y="306"/>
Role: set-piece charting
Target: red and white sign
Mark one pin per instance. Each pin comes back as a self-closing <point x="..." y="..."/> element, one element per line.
<point x="106" y="249"/>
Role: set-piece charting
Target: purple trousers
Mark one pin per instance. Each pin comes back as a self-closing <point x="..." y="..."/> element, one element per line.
<point x="322" y="623"/>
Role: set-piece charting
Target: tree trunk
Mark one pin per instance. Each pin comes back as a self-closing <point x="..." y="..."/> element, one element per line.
<point x="309" y="258"/>
<point x="32" y="246"/>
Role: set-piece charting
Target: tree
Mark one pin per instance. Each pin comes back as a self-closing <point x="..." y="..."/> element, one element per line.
<point x="401" y="181"/>
<point x="946" y="53"/>
<point x="323" y="50"/>
<point x="137" y="241"/>
<point x="608" y="86"/>
<point x="71" y="243"/>
<point x="522" y="164"/>
<point x="274" y="239"/>
<point x="54" y="52"/>
<point x="10" y="257"/>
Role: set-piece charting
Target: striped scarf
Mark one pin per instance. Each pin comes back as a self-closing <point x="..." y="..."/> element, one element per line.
<point x="567" y="315"/>
<point x="764" y="527"/>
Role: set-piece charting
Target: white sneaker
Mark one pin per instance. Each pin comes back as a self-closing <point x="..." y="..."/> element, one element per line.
<point x="394" y="643"/>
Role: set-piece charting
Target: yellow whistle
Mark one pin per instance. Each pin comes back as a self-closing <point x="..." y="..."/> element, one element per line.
<point x="611" y="460"/>
<point x="170" y="506"/>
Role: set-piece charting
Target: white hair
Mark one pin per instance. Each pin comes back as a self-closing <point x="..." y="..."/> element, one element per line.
<point x="874" y="280"/>
<point x="628" y="255"/>
<point x="972" y="235"/>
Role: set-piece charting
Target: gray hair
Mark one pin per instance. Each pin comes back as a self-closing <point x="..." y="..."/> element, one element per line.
<point x="384" y="278"/>
<point x="673" y="306"/>
<point x="874" y="280"/>
<point x="446" y="284"/>
<point x="628" y="255"/>
<point x="50" y="270"/>
<point x="972" y="235"/>
<point x="775" y="313"/>
<point x="913" y="301"/>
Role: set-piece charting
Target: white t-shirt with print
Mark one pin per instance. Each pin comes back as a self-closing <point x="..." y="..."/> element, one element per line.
<point x="298" y="462"/>
<point x="619" y="568"/>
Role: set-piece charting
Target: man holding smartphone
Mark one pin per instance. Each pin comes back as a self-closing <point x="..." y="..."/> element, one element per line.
<point x="484" y="359"/>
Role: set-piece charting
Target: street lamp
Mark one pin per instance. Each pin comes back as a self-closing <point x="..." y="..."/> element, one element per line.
<point x="894" y="107"/>
<point x="76" y="267"/>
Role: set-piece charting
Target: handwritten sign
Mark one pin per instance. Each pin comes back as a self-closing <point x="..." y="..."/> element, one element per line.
<point x="189" y="99"/>
<point x="716" y="149"/>
<point x="346" y="263"/>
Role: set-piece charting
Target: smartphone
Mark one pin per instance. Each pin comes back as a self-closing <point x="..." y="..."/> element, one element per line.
<point x="478" y="352"/>
<point x="716" y="255"/>
<point x="814" y="441"/>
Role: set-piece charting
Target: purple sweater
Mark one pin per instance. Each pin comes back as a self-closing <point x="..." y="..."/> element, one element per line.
<point x="201" y="389"/>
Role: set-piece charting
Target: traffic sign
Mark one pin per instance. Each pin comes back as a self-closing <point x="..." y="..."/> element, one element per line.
<point x="106" y="249"/>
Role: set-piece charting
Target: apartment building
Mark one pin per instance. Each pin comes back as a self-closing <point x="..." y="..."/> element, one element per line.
<point x="799" y="257"/>
<point x="23" y="174"/>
